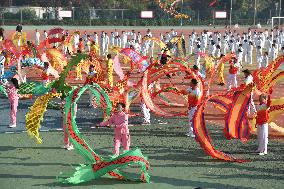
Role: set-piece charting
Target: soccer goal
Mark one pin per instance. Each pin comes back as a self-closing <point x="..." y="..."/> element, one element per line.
<point x="276" y="21"/>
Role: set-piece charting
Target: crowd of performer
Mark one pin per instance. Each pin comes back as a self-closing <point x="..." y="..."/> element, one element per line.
<point x="266" y="45"/>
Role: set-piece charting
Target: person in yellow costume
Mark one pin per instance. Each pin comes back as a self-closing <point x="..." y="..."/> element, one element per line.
<point x="220" y="71"/>
<point x="94" y="47"/>
<point x="8" y="56"/>
<point x="78" y="70"/>
<point x="109" y="70"/>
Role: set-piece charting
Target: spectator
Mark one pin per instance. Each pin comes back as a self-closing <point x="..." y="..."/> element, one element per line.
<point x="19" y="28"/>
<point x="1" y="34"/>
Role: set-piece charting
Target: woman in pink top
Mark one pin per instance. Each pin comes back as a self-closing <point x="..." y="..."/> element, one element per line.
<point x="121" y="133"/>
<point x="12" y="90"/>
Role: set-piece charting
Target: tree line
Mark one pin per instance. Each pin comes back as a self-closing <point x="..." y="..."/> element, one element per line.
<point x="242" y="9"/>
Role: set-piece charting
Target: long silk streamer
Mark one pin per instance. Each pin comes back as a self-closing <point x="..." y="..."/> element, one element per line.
<point x="200" y="130"/>
<point x="35" y="115"/>
<point x="97" y="166"/>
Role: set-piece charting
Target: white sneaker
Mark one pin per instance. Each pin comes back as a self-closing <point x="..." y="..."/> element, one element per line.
<point x="146" y="123"/>
<point x="261" y="154"/>
<point x="190" y="135"/>
<point x="12" y="126"/>
<point x="70" y="147"/>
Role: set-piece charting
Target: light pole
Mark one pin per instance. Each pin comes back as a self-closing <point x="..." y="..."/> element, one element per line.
<point x="276" y="8"/>
<point x="231" y="13"/>
<point x="21" y="16"/>
<point x="73" y="13"/>
<point x="198" y="18"/>
<point x="213" y="17"/>
<point x="90" y="12"/>
<point x="279" y="13"/>
<point x="254" y="12"/>
<point x="182" y="11"/>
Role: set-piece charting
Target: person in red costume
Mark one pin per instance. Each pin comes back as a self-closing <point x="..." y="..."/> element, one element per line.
<point x="90" y="80"/>
<point x="80" y="46"/>
<point x="194" y="99"/>
<point x="233" y="71"/>
<point x="262" y="118"/>
<point x="92" y="76"/>
<point x="196" y="71"/>
<point x="45" y="73"/>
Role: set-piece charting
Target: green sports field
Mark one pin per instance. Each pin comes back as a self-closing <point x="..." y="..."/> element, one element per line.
<point x="176" y="161"/>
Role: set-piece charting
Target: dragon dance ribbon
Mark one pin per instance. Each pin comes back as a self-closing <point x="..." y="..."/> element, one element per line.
<point x="234" y="104"/>
<point x="134" y="56"/>
<point x="55" y="31"/>
<point x="153" y="74"/>
<point x="97" y="165"/>
<point x="169" y="7"/>
<point x="34" y="88"/>
<point x="19" y="38"/>
<point x="9" y="46"/>
<point x="237" y="125"/>
<point x="3" y="90"/>
<point x="156" y="40"/>
<point x="236" y="121"/>
<point x="264" y="78"/>
<point x="30" y="88"/>
<point x="57" y="59"/>
<point x="60" y="84"/>
<point x="117" y="67"/>
<point x="149" y="102"/>
<point x="35" y="115"/>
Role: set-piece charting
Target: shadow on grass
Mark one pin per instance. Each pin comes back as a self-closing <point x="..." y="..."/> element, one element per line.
<point x="38" y="164"/>
<point x="191" y="183"/>
<point x="155" y="180"/>
<point x="23" y="159"/>
<point x="99" y="181"/>
<point x="26" y="176"/>
<point x="192" y="155"/>
<point x="245" y="176"/>
<point x="242" y="167"/>
<point x="7" y="148"/>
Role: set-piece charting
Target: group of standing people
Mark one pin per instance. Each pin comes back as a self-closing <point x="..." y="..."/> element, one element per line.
<point x="214" y="44"/>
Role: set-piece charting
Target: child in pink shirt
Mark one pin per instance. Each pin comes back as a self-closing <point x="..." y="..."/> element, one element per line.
<point x="121" y="133"/>
<point x="12" y="91"/>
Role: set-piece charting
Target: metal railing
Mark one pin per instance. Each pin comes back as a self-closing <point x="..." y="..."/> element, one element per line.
<point x="122" y="17"/>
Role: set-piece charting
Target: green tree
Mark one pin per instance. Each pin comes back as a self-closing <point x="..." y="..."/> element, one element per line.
<point x="82" y="12"/>
<point x="28" y="14"/>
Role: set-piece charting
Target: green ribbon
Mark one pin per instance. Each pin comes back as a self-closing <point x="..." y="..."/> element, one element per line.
<point x="97" y="166"/>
